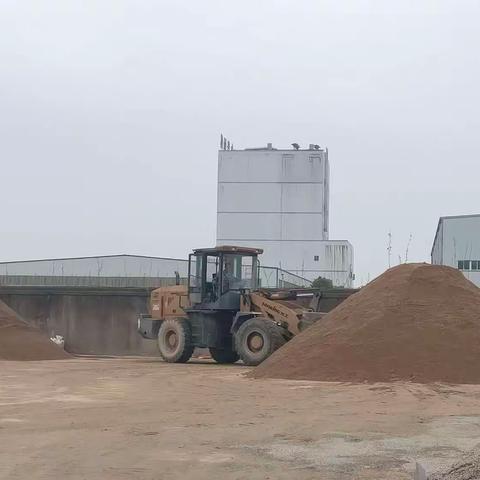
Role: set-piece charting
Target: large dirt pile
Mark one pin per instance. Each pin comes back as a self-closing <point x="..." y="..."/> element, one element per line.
<point x="20" y="341"/>
<point x="415" y="322"/>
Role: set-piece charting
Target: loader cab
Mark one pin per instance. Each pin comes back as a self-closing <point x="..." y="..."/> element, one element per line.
<point x="216" y="276"/>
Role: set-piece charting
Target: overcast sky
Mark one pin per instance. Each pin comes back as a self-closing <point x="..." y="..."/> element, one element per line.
<point x="111" y="110"/>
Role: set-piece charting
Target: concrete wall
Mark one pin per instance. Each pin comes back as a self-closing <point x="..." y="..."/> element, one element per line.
<point x="92" y="321"/>
<point x="458" y="239"/>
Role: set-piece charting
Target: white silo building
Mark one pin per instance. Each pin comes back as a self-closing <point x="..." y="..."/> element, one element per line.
<point x="278" y="200"/>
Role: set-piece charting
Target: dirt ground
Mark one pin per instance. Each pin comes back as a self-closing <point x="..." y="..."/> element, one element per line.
<point x="144" y="419"/>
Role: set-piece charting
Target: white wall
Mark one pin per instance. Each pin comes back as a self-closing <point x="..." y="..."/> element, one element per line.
<point x="458" y="238"/>
<point x="282" y="182"/>
<point x="271" y="197"/>
<point x="272" y="166"/>
<point x="279" y="227"/>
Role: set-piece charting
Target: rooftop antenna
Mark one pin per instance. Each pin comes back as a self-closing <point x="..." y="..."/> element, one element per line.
<point x="221" y="140"/>
<point x="389" y="249"/>
<point x="408" y="247"/>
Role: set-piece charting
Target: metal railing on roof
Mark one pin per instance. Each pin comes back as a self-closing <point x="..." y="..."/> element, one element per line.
<point x="274" y="277"/>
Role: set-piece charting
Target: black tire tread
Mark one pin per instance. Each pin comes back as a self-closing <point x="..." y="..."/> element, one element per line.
<point x="226" y="355"/>
<point x="275" y="333"/>
<point x="186" y="331"/>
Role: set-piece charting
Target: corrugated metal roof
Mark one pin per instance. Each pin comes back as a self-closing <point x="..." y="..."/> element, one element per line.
<point x="91" y="257"/>
<point x="460" y="216"/>
<point x="98" y="266"/>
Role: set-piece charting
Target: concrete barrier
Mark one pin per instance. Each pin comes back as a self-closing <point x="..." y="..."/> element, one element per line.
<point x="97" y="321"/>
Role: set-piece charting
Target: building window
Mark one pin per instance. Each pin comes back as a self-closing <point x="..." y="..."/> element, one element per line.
<point x="467" y="265"/>
<point x="316" y="258"/>
<point x="464" y="264"/>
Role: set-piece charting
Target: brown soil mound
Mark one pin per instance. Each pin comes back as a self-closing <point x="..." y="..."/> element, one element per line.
<point x="415" y="322"/>
<point x="20" y="341"/>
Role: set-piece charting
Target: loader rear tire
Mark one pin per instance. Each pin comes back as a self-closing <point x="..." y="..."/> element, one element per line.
<point x="257" y="339"/>
<point x="224" y="355"/>
<point x="175" y="340"/>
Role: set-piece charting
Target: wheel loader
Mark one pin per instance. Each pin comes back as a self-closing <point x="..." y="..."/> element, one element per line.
<point x="225" y="309"/>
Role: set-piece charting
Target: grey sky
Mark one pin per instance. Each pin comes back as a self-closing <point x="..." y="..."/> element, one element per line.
<point x="110" y="113"/>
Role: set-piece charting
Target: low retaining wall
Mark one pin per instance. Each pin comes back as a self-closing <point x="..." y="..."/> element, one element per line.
<point x="98" y="321"/>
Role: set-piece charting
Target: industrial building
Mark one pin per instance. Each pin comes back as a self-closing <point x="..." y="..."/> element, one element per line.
<point x="457" y="244"/>
<point x="97" y="271"/>
<point x="278" y="200"/>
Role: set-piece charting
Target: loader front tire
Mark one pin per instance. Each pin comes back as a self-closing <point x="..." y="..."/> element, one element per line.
<point x="224" y="355"/>
<point x="257" y="339"/>
<point x="175" y="340"/>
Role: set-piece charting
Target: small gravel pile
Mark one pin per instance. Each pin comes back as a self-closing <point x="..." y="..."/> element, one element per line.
<point x="468" y="468"/>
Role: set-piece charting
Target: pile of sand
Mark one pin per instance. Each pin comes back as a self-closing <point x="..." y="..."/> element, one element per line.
<point x="20" y="341"/>
<point x="415" y="322"/>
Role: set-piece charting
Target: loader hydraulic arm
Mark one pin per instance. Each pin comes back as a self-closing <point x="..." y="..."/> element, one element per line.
<point x="282" y="312"/>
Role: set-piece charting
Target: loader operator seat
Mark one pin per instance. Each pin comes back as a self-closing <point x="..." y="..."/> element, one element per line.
<point x="214" y="294"/>
<point x="229" y="280"/>
<point x="226" y="279"/>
